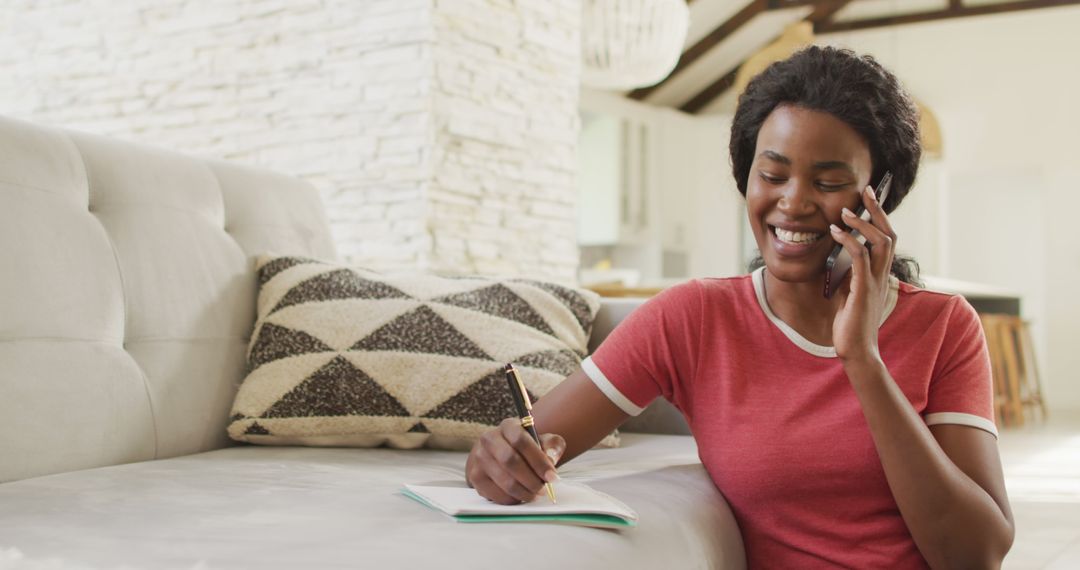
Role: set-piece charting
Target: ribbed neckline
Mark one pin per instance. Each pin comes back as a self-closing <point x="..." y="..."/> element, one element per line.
<point x="758" y="277"/>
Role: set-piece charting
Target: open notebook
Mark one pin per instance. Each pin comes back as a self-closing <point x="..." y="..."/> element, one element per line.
<point x="578" y="504"/>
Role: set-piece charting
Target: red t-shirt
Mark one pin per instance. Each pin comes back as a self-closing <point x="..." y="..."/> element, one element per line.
<point x="777" y="423"/>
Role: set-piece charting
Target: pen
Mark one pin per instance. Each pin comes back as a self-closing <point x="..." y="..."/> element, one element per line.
<point x="524" y="408"/>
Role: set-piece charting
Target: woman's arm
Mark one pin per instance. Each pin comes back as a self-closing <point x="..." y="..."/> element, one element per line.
<point x="506" y="466"/>
<point x="650" y="350"/>
<point x="578" y="411"/>
<point x="946" y="479"/>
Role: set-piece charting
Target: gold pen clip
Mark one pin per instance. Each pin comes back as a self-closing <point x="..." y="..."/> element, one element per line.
<point x="521" y="386"/>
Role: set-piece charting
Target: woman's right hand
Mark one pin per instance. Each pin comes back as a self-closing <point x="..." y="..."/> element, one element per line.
<point x="506" y="466"/>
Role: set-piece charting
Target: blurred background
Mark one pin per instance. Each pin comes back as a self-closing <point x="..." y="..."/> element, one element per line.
<point x="586" y="140"/>
<point x="989" y="213"/>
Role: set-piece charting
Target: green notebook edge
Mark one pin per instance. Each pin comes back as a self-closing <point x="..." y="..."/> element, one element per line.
<point x="582" y="519"/>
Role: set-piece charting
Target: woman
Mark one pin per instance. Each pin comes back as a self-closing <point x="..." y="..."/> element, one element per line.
<point x="851" y="431"/>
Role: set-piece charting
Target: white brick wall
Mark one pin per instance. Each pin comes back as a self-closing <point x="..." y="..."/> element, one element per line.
<point x="506" y="124"/>
<point x="441" y="133"/>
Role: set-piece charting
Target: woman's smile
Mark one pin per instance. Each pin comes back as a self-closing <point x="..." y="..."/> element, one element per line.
<point x="797" y="245"/>
<point x="791" y="242"/>
<point x="796" y="236"/>
<point x="809" y="166"/>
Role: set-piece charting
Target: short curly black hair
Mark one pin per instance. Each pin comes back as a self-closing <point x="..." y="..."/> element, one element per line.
<point x="855" y="89"/>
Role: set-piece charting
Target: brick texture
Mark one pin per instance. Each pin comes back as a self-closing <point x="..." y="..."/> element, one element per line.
<point x="442" y="134"/>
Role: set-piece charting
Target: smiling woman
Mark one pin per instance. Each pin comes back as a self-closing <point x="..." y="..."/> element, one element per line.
<point x="866" y="112"/>
<point x="809" y="167"/>
<point x="847" y="431"/>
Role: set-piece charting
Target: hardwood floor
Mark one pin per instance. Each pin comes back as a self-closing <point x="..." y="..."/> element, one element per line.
<point x="1042" y="474"/>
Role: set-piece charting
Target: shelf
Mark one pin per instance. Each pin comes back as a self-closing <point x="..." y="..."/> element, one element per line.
<point x="985" y="298"/>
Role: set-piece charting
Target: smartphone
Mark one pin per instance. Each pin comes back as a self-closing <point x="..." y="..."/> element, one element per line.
<point x="839" y="262"/>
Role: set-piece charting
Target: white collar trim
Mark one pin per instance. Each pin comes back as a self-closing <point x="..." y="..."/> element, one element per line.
<point x="758" y="277"/>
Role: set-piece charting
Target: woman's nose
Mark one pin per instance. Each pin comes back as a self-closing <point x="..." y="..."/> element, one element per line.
<point x="796" y="197"/>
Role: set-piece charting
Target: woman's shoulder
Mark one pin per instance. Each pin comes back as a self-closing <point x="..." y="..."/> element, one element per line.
<point x="717" y="287"/>
<point x="920" y="300"/>
<point x="739" y="289"/>
<point x="702" y="292"/>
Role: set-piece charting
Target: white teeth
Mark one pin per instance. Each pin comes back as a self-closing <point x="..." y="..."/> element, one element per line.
<point x="796" y="237"/>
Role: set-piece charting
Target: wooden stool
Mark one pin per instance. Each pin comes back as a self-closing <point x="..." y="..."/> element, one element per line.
<point x="1017" y="388"/>
<point x="1031" y="387"/>
<point x="1004" y="412"/>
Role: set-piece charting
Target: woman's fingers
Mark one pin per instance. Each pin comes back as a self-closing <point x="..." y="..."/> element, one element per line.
<point x="860" y="256"/>
<point x="877" y="214"/>
<point x="506" y="464"/>
<point x="537" y="459"/>
<point x="507" y="471"/>
<point x="491" y="491"/>
<point x="554" y="446"/>
<point x="882" y="243"/>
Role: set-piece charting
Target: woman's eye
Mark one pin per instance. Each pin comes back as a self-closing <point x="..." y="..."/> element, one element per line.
<point x="770" y="179"/>
<point x="831" y="187"/>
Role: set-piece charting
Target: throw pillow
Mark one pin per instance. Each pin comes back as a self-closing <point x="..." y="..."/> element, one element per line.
<point x="344" y="356"/>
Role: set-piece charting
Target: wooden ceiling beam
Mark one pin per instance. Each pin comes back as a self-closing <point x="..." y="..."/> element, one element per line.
<point x="823" y="24"/>
<point x="954" y="10"/>
<point x="713" y="39"/>
<point x="824" y="10"/>
<point x="718" y="35"/>
<point x="706" y="43"/>
<point x="714" y="90"/>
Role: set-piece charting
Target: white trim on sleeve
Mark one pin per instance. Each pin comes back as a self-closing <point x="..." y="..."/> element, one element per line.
<point x="609" y="389"/>
<point x="961" y="419"/>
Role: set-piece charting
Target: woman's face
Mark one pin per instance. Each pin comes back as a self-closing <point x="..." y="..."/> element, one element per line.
<point x="808" y="166"/>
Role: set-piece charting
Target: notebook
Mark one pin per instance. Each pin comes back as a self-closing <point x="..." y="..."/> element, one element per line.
<point x="578" y="504"/>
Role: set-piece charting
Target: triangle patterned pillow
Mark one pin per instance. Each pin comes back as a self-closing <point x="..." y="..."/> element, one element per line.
<point x="349" y="357"/>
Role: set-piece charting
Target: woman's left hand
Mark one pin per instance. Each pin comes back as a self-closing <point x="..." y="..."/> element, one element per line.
<point x="855" y="328"/>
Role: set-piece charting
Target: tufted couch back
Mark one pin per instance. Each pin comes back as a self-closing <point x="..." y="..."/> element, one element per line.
<point x="127" y="294"/>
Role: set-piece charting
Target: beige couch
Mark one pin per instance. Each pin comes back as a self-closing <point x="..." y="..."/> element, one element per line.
<point x="127" y="296"/>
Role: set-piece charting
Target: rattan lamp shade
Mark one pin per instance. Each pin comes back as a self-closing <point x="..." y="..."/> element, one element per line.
<point x="628" y="44"/>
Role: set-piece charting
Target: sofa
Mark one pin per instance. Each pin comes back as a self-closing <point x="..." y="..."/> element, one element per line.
<point x="127" y="301"/>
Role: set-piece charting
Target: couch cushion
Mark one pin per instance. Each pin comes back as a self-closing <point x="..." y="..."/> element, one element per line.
<point x="345" y="356"/>
<point x="128" y="294"/>
<point x="281" y="507"/>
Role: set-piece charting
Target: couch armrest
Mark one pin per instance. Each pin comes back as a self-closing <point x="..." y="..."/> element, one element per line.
<point x="612" y="311"/>
<point x="660" y="416"/>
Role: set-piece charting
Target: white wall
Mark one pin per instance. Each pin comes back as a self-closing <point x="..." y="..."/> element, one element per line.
<point x="441" y="133"/>
<point x="694" y="207"/>
<point x="334" y="92"/>
<point x="719" y="210"/>
<point x="599" y="171"/>
<point x="1005" y="90"/>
